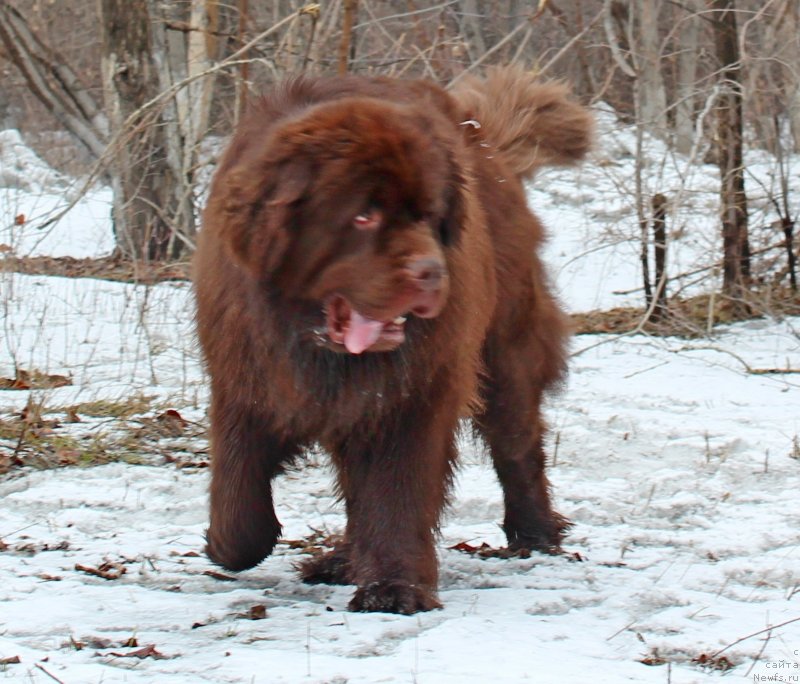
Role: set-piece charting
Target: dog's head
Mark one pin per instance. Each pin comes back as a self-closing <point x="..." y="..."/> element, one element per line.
<point x="352" y="206"/>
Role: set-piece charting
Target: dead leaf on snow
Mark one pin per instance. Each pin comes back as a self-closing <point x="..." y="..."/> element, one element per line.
<point x="48" y="578"/>
<point x="486" y="551"/>
<point x="187" y="554"/>
<point x="34" y="379"/>
<point x="172" y="423"/>
<point x="713" y="662"/>
<point x="108" y="571"/>
<point x="257" y="612"/>
<point x="12" y="660"/>
<point x="219" y="576"/>
<point x="97" y="642"/>
<point x="148" y="651"/>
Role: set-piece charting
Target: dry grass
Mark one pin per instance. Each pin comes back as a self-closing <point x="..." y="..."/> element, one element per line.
<point x="691" y="317"/>
<point x="98" y="432"/>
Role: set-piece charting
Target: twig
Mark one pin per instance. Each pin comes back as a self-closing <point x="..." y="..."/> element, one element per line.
<point x="627" y="69"/>
<point x="570" y="43"/>
<point x="760" y="653"/>
<point x="403" y="15"/>
<point x="748" y="368"/>
<point x="490" y="52"/>
<point x="621" y="630"/>
<point x="49" y="674"/>
<point x="754" y="634"/>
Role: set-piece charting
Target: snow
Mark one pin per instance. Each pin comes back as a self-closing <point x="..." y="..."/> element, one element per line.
<point x="678" y="467"/>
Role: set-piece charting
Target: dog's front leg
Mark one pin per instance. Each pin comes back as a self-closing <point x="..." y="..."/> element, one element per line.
<point x="245" y="456"/>
<point x="395" y="485"/>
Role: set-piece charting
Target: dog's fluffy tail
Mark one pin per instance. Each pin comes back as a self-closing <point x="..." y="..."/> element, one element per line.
<point x="528" y="123"/>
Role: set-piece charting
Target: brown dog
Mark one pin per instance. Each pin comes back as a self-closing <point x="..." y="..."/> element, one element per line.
<point x="365" y="277"/>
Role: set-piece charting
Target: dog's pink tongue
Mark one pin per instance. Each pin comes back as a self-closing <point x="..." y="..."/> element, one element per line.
<point x="362" y="333"/>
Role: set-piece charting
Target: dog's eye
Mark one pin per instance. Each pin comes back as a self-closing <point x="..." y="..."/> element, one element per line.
<point x="445" y="232"/>
<point x="369" y="219"/>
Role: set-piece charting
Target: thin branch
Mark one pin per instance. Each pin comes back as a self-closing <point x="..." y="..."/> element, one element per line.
<point x="755" y="634"/>
<point x="627" y="69"/>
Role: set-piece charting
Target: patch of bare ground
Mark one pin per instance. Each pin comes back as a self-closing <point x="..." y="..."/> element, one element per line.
<point x="689" y="317"/>
<point x="42" y="436"/>
<point x="693" y="316"/>
<point x="113" y="267"/>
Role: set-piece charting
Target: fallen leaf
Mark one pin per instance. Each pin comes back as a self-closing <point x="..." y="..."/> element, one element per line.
<point x="257" y="612"/>
<point x="19" y="219"/>
<point x="711" y="662"/>
<point x="108" y="571"/>
<point x="486" y="551"/>
<point x="12" y="660"/>
<point x="67" y="457"/>
<point x="15" y="384"/>
<point x="97" y="642"/>
<point x="148" y="651"/>
<point x="74" y="643"/>
<point x="25" y="380"/>
<point x="219" y="576"/>
<point x="48" y="578"/>
<point x="172" y="422"/>
<point x="466" y="547"/>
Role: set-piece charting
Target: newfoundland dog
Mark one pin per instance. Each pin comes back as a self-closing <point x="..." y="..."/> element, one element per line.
<point x="366" y="276"/>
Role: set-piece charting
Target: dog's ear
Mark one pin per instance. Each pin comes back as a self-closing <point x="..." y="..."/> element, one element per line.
<point x="259" y="206"/>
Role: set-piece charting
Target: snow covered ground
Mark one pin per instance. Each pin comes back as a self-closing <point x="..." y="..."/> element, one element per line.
<point x="677" y="460"/>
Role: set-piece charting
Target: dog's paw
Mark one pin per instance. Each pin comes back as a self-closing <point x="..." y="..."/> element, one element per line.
<point x="393" y="596"/>
<point x="543" y="535"/>
<point x="237" y="555"/>
<point x="331" y="567"/>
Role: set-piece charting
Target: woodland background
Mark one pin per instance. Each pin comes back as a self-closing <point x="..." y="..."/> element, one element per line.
<point x="138" y="94"/>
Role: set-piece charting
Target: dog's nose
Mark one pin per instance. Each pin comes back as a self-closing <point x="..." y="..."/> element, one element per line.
<point x="427" y="272"/>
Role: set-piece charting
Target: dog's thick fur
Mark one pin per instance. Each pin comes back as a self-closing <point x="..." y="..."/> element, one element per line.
<point x="366" y="276"/>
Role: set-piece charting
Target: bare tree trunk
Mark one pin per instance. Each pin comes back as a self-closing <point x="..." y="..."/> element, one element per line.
<point x="686" y="85"/>
<point x="346" y="44"/>
<point x="145" y="182"/>
<point x="471" y="28"/>
<point x="242" y="85"/>
<point x="736" y="246"/>
<point x="647" y="50"/>
<point x="788" y="30"/>
<point x="54" y="83"/>
<point x="659" y="204"/>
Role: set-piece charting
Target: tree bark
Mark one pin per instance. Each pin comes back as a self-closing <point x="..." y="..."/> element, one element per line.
<point x="659" y="204"/>
<point x="686" y="82"/>
<point x="736" y="245"/>
<point x="346" y="44"/>
<point x="54" y="83"/>
<point x="788" y="30"/>
<point x="647" y="50"/>
<point x="153" y="211"/>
